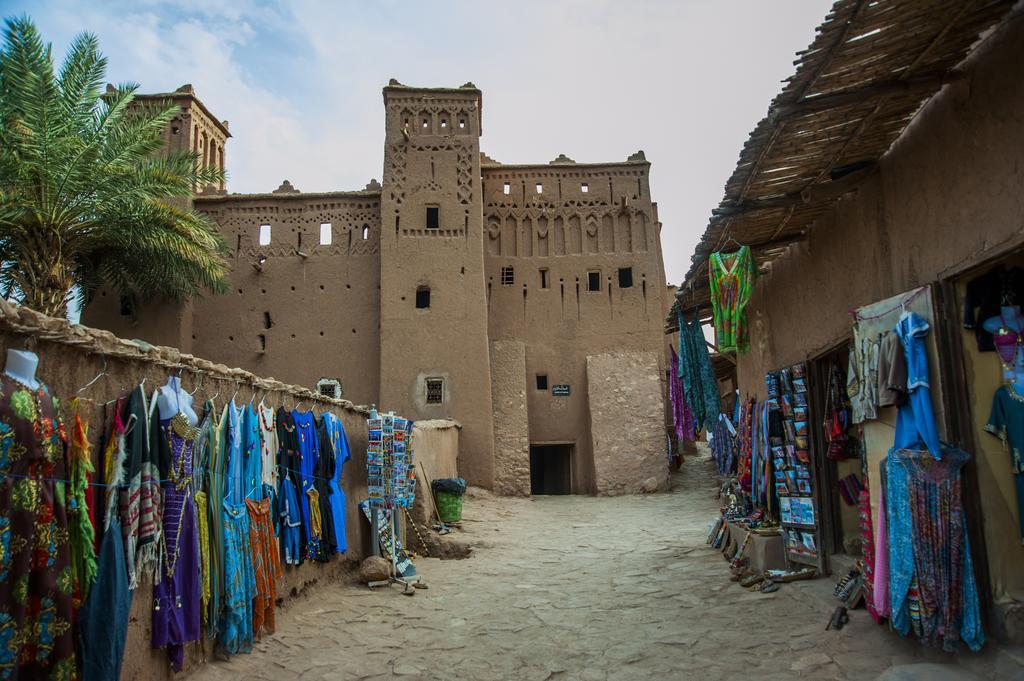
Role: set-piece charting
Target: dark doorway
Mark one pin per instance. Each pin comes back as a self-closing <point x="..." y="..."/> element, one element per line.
<point x="551" y="469"/>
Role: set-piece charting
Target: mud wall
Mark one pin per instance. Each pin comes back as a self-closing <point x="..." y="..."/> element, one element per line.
<point x="437" y="448"/>
<point x="627" y="423"/>
<point x="947" y="194"/>
<point x="511" y="420"/>
<point x="72" y="356"/>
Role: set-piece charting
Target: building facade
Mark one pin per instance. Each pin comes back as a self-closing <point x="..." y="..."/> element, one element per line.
<point x="524" y="301"/>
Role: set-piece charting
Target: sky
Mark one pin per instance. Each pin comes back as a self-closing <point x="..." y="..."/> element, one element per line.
<point x="300" y="82"/>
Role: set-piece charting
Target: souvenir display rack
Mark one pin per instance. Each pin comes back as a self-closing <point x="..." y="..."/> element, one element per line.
<point x="391" y="484"/>
<point x="793" y="469"/>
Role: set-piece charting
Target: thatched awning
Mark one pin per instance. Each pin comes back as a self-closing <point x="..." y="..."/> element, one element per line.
<point x="871" y="67"/>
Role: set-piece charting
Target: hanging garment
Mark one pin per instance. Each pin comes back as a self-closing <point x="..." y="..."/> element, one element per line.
<point x="268" y="445"/>
<point x="140" y="497"/>
<point x="986" y="294"/>
<point x="289" y="464"/>
<point x="216" y="487"/>
<point x="1006" y="422"/>
<point x="929" y="551"/>
<point x="837" y="421"/>
<point x="36" y="581"/>
<point x="700" y="387"/>
<point x="744" y="463"/>
<point x="177" y="593"/>
<point x="322" y="475"/>
<point x="266" y="566"/>
<point x="915" y="422"/>
<point x="892" y="371"/>
<point x="252" y="453"/>
<point x="862" y="378"/>
<point x="867" y="542"/>
<point x="235" y="630"/>
<point x="682" y="415"/>
<point x="723" y="445"/>
<point x="339" y="442"/>
<point x="731" y="276"/>
<point x="234" y="456"/>
<point x="200" y="463"/>
<point x="103" y="620"/>
<point x="305" y="431"/>
<point x="291" y="522"/>
<point x="80" y="503"/>
<point x="881" y="573"/>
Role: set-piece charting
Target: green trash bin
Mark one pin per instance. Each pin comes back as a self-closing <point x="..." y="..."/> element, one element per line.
<point x="449" y="506"/>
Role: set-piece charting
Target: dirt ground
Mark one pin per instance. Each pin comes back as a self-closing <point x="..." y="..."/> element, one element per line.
<point x="590" y="588"/>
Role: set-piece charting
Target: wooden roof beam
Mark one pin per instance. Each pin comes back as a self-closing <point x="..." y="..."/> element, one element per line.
<point x="815" y="193"/>
<point x="924" y="86"/>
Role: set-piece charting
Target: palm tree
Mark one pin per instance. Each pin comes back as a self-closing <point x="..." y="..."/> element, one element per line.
<point x="87" y="195"/>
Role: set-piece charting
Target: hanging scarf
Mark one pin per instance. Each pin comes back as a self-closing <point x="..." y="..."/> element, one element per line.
<point x="140" y="499"/>
<point x="83" y="536"/>
<point x="682" y="415"/>
<point x="700" y="388"/>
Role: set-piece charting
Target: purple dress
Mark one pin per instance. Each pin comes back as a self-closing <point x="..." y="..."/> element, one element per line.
<point x="176" y="596"/>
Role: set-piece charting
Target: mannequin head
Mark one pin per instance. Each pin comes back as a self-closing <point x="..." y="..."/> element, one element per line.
<point x="21" y="365"/>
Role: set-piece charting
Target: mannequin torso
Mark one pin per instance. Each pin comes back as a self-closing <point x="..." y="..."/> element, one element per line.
<point x="21" y="366"/>
<point x="1009" y="323"/>
<point x="173" y="399"/>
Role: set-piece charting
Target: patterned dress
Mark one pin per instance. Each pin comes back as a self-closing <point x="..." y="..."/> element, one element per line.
<point x="36" y="576"/>
<point x="731" y="276"/>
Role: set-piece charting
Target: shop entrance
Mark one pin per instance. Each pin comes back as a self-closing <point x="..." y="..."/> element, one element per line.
<point x="551" y="469"/>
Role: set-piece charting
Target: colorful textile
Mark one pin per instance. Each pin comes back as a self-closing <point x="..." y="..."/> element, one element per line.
<point x="103" y="619"/>
<point x="235" y="631"/>
<point x="204" y="557"/>
<point x="80" y="522"/>
<point x="335" y="432"/>
<point x="289" y="464"/>
<point x="36" y="576"/>
<point x="291" y="522"/>
<point x="178" y="591"/>
<point x="252" y="453"/>
<point x="140" y="497"/>
<point x="928" y="544"/>
<point x="216" y="490"/>
<point x="1006" y="421"/>
<point x="268" y="444"/>
<point x="744" y="451"/>
<point x="308" y="451"/>
<point x="266" y="566"/>
<point x="915" y="422"/>
<point x="700" y="388"/>
<point x="723" y="445"/>
<point x="881" y="572"/>
<point x="682" y="415"/>
<point x="731" y="276"/>
<point x="867" y="543"/>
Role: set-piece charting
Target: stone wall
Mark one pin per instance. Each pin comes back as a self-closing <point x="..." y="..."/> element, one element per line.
<point x="627" y="422"/>
<point x="511" y="421"/>
<point x="72" y="355"/>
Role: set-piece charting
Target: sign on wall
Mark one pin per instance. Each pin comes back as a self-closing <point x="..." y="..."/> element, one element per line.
<point x="560" y="390"/>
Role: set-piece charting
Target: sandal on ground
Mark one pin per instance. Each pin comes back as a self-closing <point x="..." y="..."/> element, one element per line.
<point x="768" y="587"/>
<point x="751" y="580"/>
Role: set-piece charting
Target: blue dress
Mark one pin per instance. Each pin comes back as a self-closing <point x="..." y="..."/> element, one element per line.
<point x="305" y="431"/>
<point x="915" y="422"/>
<point x="336" y="433"/>
<point x="252" y="467"/>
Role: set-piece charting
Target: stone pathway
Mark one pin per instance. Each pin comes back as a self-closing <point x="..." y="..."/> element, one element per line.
<point x="588" y="588"/>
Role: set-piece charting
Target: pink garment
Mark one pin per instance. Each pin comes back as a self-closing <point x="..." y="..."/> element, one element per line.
<point x="682" y="414"/>
<point x="881" y="574"/>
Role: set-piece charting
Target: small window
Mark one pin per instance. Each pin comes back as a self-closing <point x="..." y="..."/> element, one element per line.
<point x="264" y="235"/>
<point x="423" y="298"/>
<point x="444" y="123"/>
<point x="366" y="232"/>
<point x="625" y="277"/>
<point x="435" y="390"/>
<point x="584" y="188"/>
<point x="329" y="387"/>
<point x="426" y="123"/>
<point x="542" y="381"/>
<point x="433" y="217"/>
<point x="325" y="234"/>
<point x="540" y="188"/>
<point x="462" y="123"/>
<point x="593" y="281"/>
<point x="508" y="276"/>
<point x="507" y="189"/>
<point x="544" y="277"/>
